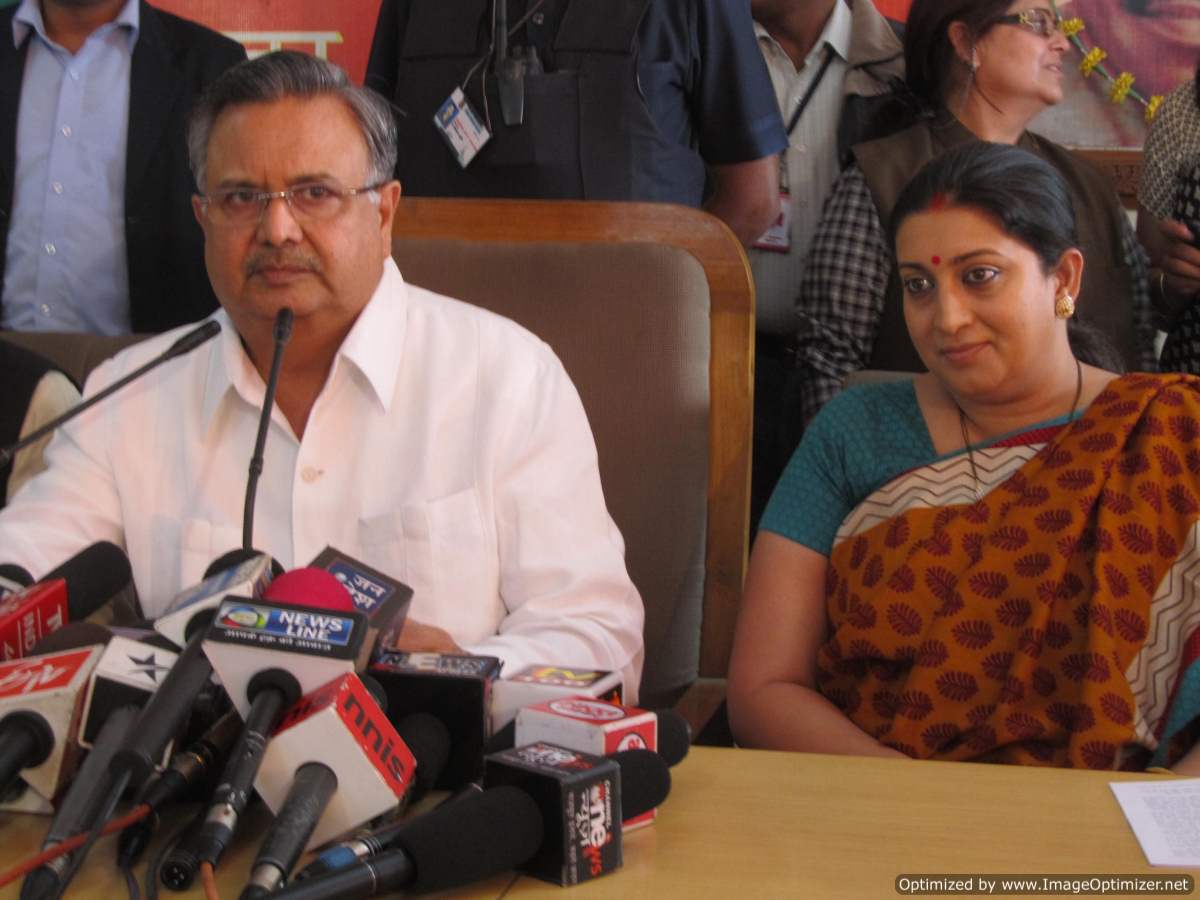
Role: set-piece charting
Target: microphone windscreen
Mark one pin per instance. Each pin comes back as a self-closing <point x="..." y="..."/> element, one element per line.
<point x="310" y="586"/>
<point x="429" y="742"/>
<point x="236" y="557"/>
<point x="473" y="839"/>
<point x="645" y="781"/>
<point x="94" y="576"/>
<point x="15" y="574"/>
<point x="72" y="636"/>
<point x="674" y="736"/>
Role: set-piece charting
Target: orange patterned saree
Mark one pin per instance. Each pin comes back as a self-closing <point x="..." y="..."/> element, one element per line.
<point x="1051" y="621"/>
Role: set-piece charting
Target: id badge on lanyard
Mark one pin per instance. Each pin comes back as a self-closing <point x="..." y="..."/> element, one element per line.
<point x="778" y="238"/>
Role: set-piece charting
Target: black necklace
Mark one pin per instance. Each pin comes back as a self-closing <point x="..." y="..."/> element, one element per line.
<point x="962" y="421"/>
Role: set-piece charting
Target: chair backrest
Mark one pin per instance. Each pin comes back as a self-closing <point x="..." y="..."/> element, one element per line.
<point x="651" y="309"/>
<point x="75" y="353"/>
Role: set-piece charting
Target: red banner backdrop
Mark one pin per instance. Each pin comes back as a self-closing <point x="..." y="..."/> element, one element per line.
<point x="339" y="31"/>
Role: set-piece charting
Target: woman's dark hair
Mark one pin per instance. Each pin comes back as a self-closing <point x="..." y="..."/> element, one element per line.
<point x="1026" y="197"/>
<point x="929" y="57"/>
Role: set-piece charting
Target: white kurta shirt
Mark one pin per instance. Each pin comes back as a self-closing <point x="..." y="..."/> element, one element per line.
<point x="447" y="448"/>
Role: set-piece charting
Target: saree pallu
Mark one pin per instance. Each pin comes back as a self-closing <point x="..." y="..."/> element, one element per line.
<point x="1051" y="620"/>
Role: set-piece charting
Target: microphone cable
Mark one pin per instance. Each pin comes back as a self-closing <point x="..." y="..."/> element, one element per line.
<point x="283" y="333"/>
<point x="52" y="853"/>
<point x="101" y="824"/>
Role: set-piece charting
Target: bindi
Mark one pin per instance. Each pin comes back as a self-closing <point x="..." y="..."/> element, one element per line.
<point x="937" y="260"/>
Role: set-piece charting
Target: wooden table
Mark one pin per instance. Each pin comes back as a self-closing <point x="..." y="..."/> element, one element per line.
<point x="742" y="824"/>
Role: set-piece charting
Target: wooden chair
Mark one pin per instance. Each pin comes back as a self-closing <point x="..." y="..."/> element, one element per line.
<point x="651" y="309"/>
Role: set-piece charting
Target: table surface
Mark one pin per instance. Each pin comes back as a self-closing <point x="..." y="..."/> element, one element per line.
<point x="744" y="823"/>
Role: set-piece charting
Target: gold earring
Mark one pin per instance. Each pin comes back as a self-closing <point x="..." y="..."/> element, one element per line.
<point x="1064" y="306"/>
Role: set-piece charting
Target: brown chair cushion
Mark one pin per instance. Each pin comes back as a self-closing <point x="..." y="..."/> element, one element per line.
<point x="630" y="323"/>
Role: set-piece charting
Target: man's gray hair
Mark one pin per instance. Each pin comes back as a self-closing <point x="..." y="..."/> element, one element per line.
<point x="289" y="73"/>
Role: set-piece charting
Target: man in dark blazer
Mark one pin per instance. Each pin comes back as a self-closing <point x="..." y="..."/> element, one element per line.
<point x="172" y="60"/>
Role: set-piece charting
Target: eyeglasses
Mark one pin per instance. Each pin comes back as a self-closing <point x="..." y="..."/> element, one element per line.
<point x="307" y="202"/>
<point x="1040" y="21"/>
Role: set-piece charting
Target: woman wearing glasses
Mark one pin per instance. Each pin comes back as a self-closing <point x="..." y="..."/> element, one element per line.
<point x="976" y="69"/>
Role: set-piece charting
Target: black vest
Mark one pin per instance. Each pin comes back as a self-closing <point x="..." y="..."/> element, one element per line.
<point x="587" y="132"/>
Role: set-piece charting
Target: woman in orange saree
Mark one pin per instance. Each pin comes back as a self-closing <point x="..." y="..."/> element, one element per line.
<point x="997" y="561"/>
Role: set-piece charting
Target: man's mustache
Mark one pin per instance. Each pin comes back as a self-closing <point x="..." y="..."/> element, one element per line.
<point x="273" y="260"/>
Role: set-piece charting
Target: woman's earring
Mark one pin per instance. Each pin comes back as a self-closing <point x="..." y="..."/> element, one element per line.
<point x="1064" y="306"/>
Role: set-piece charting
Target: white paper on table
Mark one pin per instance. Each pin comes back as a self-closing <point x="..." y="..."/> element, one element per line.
<point x="1165" y="817"/>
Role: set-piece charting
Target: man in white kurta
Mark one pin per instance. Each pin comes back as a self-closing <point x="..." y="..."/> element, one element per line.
<point x="433" y="440"/>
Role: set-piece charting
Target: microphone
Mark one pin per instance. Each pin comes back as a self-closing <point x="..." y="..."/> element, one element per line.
<point x="186" y="344"/>
<point x="601" y="728"/>
<point x="361" y="757"/>
<point x="72" y="591"/>
<point x="267" y="654"/>
<point x="282" y="334"/>
<point x="586" y="798"/>
<point x="127" y="672"/>
<point x="550" y="812"/>
<point x="482" y="835"/>
<point x="429" y="741"/>
<point x="189" y="769"/>
<point x="455" y="688"/>
<point x="184" y="623"/>
<point x="248" y="576"/>
<point x="384" y="599"/>
<point x="41" y="698"/>
<point x="544" y="681"/>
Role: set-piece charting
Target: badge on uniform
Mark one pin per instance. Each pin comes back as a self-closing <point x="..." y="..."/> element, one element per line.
<point x="460" y="127"/>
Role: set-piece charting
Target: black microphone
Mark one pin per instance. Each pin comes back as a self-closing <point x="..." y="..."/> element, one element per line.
<point x="41" y="703"/>
<point x="454" y="687"/>
<point x="186" y="344"/>
<point x="267" y="653"/>
<point x="481" y="836"/>
<point x="189" y="769"/>
<point x="282" y="334"/>
<point x="357" y="744"/>
<point x="240" y="572"/>
<point x="429" y="742"/>
<point x="126" y="674"/>
<point x="520" y="823"/>
<point x="89" y="580"/>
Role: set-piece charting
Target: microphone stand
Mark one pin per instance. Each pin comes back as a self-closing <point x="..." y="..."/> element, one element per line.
<point x="283" y="333"/>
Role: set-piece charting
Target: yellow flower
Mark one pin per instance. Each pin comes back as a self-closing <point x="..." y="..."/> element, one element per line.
<point x="1094" y="57"/>
<point x="1152" y="107"/>
<point x="1120" y="87"/>
<point x="1071" y="27"/>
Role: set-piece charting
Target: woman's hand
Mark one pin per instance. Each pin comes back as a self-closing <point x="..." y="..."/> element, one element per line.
<point x="773" y="699"/>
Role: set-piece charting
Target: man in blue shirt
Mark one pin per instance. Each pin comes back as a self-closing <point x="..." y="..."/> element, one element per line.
<point x="652" y="100"/>
<point x="95" y="213"/>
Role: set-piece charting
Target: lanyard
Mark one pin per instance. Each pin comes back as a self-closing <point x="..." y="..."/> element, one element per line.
<point x="812" y="89"/>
